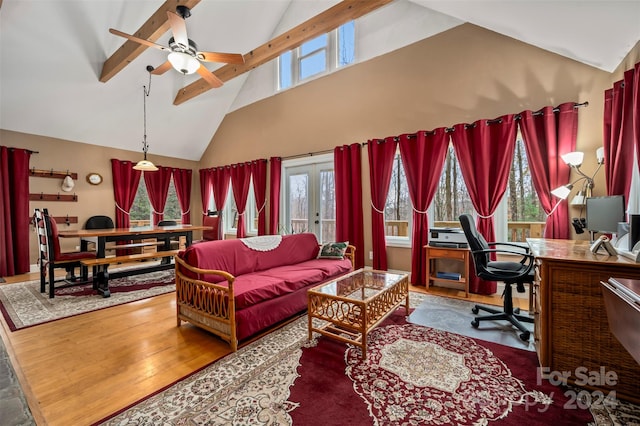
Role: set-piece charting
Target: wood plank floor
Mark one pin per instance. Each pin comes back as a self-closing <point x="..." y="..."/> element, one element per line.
<point x="78" y="370"/>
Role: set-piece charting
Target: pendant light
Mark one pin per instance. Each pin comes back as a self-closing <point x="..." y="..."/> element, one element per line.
<point x="144" y="164"/>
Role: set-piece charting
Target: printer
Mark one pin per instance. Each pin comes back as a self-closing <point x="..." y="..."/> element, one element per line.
<point x="447" y="237"/>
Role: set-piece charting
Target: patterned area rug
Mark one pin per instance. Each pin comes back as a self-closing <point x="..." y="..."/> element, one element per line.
<point x="412" y="375"/>
<point x="22" y="304"/>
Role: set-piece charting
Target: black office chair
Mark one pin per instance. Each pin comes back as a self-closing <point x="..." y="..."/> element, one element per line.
<point x="510" y="272"/>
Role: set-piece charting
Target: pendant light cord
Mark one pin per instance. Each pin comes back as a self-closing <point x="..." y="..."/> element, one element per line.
<point x="145" y="94"/>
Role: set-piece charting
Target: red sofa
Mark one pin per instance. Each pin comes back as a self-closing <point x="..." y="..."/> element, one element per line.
<point x="236" y="288"/>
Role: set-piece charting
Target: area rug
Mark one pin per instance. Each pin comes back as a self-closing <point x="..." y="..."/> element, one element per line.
<point x="454" y="315"/>
<point x="22" y="304"/>
<point x="412" y="375"/>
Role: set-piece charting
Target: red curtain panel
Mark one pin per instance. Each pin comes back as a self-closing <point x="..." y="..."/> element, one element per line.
<point x="125" y="186"/>
<point x="182" y="183"/>
<point x="423" y="155"/>
<point x="381" y="154"/>
<point x="157" y="189"/>
<point x="14" y="211"/>
<point x="348" y="181"/>
<point x="220" y="177"/>
<point x="547" y="134"/>
<point x="275" y="172"/>
<point x="259" y="176"/>
<point x="485" y="152"/>
<point x="206" y="188"/>
<point x="620" y="113"/>
<point x="636" y="110"/>
<point x="240" y="180"/>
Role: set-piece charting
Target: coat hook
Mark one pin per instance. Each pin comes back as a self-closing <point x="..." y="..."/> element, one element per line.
<point x="51" y="172"/>
<point x="67" y="221"/>
<point x="75" y="197"/>
<point x="33" y="170"/>
<point x="58" y="195"/>
<point x="41" y="196"/>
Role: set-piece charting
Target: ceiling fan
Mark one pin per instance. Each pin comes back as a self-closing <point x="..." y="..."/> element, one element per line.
<point x="184" y="55"/>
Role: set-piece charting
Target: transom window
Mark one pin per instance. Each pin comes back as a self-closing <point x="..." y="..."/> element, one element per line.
<point x="318" y="56"/>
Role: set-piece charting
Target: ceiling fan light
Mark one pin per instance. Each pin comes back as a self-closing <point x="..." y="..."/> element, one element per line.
<point x="183" y="62"/>
<point x="145" y="166"/>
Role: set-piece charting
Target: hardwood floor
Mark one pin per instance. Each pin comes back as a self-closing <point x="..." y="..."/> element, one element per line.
<point x="78" y="370"/>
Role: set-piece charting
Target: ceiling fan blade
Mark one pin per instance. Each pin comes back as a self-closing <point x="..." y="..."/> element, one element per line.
<point x="227" y="58"/>
<point x="139" y="40"/>
<point x="166" y="66"/>
<point x="179" y="29"/>
<point x="209" y="77"/>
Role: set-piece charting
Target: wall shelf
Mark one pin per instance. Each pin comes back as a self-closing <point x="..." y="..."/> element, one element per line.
<point x="61" y="220"/>
<point x="52" y="174"/>
<point x="53" y="197"/>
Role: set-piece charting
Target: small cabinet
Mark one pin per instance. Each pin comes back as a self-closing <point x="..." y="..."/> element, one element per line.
<point x="460" y="255"/>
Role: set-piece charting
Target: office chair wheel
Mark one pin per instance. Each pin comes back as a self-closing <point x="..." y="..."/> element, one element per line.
<point x="525" y="336"/>
<point x="475" y="310"/>
<point x="475" y="323"/>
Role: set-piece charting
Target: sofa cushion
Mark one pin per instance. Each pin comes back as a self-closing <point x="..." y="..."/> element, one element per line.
<point x="333" y="250"/>
<point x="236" y="258"/>
<point x="250" y="289"/>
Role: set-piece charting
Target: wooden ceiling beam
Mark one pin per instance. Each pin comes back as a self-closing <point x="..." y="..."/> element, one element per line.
<point x="326" y="21"/>
<point x="152" y="30"/>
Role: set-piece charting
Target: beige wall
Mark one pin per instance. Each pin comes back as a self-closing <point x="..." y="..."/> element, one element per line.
<point x="462" y="75"/>
<point x="61" y="155"/>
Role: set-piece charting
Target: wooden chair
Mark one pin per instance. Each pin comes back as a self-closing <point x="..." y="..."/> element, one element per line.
<point x="51" y="257"/>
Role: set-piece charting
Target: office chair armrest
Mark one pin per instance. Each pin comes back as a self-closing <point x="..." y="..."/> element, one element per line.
<point x="524" y="256"/>
<point x="525" y="248"/>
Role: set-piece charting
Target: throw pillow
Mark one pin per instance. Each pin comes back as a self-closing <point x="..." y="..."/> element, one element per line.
<point x="333" y="250"/>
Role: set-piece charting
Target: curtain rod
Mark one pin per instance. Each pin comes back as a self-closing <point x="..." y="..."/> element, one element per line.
<point x="309" y="154"/>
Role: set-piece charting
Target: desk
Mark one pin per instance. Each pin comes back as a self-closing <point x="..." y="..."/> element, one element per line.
<point x="432" y="253"/>
<point x="164" y="233"/>
<point x="571" y="327"/>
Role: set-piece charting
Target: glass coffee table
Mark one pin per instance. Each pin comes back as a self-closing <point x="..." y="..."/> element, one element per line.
<point x="352" y="305"/>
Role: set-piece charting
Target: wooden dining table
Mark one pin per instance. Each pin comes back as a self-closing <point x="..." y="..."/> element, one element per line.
<point x="163" y="234"/>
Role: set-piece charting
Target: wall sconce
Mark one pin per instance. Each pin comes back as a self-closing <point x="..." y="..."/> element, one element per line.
<point x="574" y="160"/>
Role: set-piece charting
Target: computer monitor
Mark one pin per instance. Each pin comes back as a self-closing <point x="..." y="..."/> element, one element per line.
<point x="604" y="213"/>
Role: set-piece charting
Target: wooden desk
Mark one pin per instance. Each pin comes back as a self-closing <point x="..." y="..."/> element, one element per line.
<point x="432" y="253"/>
<point x="571" y="326"/>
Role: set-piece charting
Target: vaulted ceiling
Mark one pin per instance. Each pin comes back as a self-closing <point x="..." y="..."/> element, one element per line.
<point x="52" y="55"/>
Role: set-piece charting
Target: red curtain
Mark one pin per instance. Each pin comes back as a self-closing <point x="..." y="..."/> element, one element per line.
<point x="275" y="171"/>
<point x="619" y="109"/>
<point x="259" y="174"/>
<point x="14" y="211"/>
<point x="125" y="186"/>
<point x="485" y="153"/>
<point x="220" y="182"/>
<point x="549" y="133"/>
<point x="381" y="154"/>
<point x="206" y="187"/>
<point x="240" y="180"/>
<point x="157" y="189"/>
<point x="423" y="156"/>
<point x="348" y="181"/>
<point x="636" y="110"/>
<point x="182" y="183"/>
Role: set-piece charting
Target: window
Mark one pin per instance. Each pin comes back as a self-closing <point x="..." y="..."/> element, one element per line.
<point x="318" y="56"/>
<point x="141" y="213"/>
<point x="230" y="213"/>
<point x="308" y="202"/>
<point x="398" y="208"/>
<point x="519" y="214"/>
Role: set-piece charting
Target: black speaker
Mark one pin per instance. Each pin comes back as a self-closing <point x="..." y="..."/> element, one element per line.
<point x="634" y="230"/>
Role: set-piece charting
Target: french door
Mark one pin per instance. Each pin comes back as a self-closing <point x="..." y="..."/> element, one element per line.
<point x="309" y="199"/>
